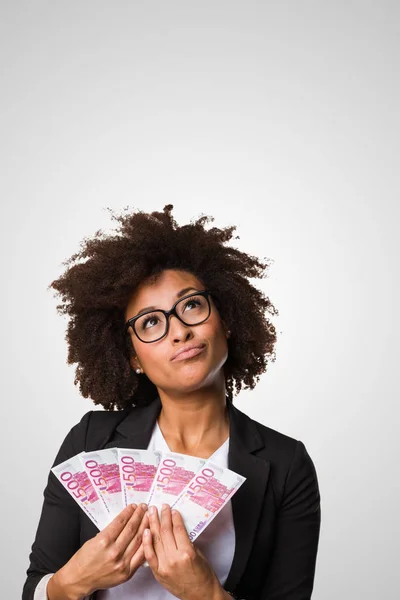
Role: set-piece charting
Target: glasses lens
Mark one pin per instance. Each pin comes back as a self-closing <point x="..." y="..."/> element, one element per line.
<point x="151" y="326"/>
<point x="193" y="310"/>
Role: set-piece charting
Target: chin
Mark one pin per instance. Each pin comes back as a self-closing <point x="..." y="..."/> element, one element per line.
<point x="191" y="379"/>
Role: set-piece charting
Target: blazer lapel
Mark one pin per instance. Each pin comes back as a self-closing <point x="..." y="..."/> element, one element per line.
<point x="247" y="501"/>
<point x="138" y="426"/>
<point x="244" y="439"/>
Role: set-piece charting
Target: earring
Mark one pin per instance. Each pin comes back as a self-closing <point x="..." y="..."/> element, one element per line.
<point x="229" y="333"/>
<point x="138" y="371"/>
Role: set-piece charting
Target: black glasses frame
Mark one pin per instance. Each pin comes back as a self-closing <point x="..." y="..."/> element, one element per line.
<point x="131" y="322"/>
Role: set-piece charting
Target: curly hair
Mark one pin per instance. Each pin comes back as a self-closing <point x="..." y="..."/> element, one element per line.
<point x="95" y="292"/>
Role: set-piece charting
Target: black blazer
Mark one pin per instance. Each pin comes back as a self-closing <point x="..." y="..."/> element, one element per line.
<point x="276" y="512"/>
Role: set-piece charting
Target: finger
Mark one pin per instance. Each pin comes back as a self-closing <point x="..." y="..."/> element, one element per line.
<point x="156" y="532"/>
<point x="130" y="529"/>
<point x="149" y="552"/>
<point x="137" y="539"/>
<point x="137" y="559"/>
<point x="113" y="529"/>
<point x="181" y="537"/>
<point x="167" y="535"/>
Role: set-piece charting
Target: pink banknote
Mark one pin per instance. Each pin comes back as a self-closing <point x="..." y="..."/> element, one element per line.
<point x="174" y="472"/>
<point x="103" y="471"/>
<point x="105" y="481"/>
<point x="74" y="478"/>
<point x="137" y="469"/>
<point x="205" y="495"/>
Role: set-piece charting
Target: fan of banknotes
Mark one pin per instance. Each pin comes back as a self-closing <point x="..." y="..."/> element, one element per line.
<point x="103" y="482"/>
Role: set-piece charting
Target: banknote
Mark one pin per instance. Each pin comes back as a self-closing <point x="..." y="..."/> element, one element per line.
<point x="103" y="471"/>
<point x="137" y="469"/>
<point x="74" y="478"/>
<point x="205" y="495"/>
<point x="174" y="472"/>
<point x="103" y="482"/>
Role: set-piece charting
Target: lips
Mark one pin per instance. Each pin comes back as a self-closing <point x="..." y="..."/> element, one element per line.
<point x="188" y="351"/>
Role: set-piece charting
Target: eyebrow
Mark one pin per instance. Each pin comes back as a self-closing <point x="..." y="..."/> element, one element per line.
<point x="178" y="295"/>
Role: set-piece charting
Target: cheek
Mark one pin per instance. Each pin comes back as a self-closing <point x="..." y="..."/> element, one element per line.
<point x="217" y="337"/>
<point x="152" y="358"/>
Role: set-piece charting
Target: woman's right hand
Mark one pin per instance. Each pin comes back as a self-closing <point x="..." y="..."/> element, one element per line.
<point x="106" y="560"/>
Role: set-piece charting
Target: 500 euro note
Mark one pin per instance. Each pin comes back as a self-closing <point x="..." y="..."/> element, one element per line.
<point x="137" y="469"/>
<point x="74" y="478"/>
<point x="174" y="472"/>
<point x="204" y="496"/>
<point x="103" y="471"/>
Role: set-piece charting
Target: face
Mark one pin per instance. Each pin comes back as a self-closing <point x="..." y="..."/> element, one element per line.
<point x="155" y="359"/>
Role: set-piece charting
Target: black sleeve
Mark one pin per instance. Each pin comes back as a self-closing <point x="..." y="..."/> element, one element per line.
<point x="290" y="575"/>
<point x="58" y="533"/>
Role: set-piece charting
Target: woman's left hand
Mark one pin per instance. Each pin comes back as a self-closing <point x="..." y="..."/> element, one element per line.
<point x="177" y="564"/>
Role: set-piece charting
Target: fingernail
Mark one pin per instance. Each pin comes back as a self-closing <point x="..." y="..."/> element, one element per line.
<point x="144" y="506"/>
<point x="164" y="506"/>
<point x="134" y="506"/>
<point x="152" y="510"/>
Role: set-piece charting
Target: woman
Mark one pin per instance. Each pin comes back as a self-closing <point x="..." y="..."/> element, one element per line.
<point x="163" y="324"/>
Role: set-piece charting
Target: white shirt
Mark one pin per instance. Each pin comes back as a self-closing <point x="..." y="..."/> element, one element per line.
<point x="217" y="542"/>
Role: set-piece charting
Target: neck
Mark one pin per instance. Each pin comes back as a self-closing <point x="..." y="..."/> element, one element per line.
<point x="195" y="420"/>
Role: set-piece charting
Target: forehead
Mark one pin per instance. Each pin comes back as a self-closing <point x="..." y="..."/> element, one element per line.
<point x="162" y="292"/>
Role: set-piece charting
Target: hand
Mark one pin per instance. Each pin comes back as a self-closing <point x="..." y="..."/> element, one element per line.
<point x="177" y="564"/>
<point x="110" y="558"/>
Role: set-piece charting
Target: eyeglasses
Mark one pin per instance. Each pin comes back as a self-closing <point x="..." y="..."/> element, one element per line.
<point x="154" y="325"/>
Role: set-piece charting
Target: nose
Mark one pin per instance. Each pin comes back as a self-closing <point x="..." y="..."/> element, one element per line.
<point x="178" y="331"/>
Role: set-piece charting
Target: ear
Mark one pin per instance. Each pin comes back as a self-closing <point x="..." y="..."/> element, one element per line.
<point x="226" y="329"/>
<point x="135" y="363"/>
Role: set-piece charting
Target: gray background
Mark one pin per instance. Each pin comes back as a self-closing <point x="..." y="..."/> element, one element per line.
<point x="279" y="117"/>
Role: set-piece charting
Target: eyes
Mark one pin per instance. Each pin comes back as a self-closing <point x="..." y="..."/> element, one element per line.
<point x="148" y="320"/>
<point x="158" y="317"/>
